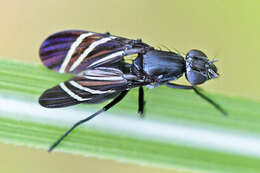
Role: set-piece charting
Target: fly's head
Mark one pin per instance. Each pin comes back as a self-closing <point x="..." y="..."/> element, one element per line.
<point x="199" y="68"/>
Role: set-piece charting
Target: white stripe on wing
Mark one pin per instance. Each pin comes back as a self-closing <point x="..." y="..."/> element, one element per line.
<point x="105" y="78"/>
<point x="72" y="94"/>
<point x="88" y="50"/>
<point x="111" y="56"/>
<point x="76" y="85"/>
<point x="72" y="49"/>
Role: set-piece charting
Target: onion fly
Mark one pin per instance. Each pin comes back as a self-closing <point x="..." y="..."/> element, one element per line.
<point x="103" y="71"/>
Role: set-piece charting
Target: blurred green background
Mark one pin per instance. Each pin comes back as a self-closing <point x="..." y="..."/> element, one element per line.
<point x="226" y="30"/>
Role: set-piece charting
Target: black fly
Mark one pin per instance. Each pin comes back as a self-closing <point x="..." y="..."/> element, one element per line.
<point x="102" y="71"/>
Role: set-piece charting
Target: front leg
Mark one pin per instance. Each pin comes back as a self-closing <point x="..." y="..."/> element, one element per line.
<point x="219" y="108"/>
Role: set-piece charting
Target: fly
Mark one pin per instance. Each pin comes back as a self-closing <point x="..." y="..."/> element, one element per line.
<point x="102" y="72"/>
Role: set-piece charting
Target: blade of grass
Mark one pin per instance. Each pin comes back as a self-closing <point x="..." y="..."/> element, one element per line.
<point x="25" y="82"/>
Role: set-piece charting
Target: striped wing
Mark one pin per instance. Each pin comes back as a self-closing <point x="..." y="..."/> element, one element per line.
<point x="92" y="86"/>
<point x="75" y="51"/>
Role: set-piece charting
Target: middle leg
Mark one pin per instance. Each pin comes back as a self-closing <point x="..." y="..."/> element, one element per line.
<point x="141" y="102"/>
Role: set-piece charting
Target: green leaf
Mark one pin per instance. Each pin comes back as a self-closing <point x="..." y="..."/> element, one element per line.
<point x="180" y="130"/>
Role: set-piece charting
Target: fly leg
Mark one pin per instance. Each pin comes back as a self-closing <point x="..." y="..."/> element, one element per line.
<point x="105" y="108"/>
<point x="141" y="102"/>
<point x="219" y="108"/>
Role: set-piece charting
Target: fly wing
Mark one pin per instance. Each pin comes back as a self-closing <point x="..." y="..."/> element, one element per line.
<point x="92" y="86"/>
<point x="74" y="51"/>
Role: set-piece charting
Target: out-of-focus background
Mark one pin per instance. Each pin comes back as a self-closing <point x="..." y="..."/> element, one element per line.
<point x="226" y="30"/>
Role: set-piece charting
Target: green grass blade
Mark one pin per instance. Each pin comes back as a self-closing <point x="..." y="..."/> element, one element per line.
<point x="121" y="135"/>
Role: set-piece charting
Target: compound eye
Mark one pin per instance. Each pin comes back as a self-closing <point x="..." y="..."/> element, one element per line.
<point x="194" y="53"/>
<point x="196" y="70"/>
<point x="195" y="77"/>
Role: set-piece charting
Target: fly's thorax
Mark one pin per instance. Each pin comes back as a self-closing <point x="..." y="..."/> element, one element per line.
<point x="199" y="68"/>
<point x="159" y="65"/>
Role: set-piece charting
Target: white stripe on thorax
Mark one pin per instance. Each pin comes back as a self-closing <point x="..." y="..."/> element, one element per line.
<point x="73" y="95"/>
<point x="88" y="50"/>
<point x="111" y="56"/>
<point x="75" y="84"/>
<point x="72" y="49"/>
